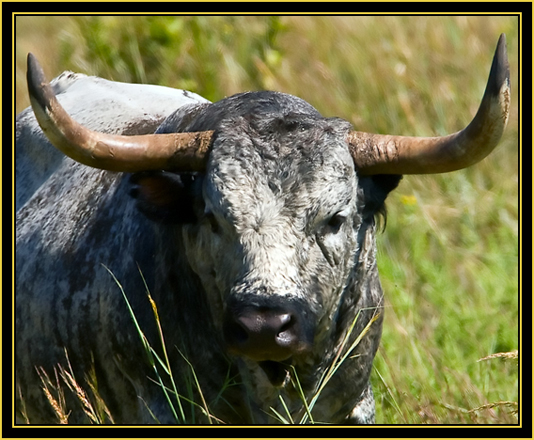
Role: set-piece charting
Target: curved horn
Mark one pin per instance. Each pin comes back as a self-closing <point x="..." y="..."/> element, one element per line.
<point x="383" y="154"/>
<point x="176" y="151"/>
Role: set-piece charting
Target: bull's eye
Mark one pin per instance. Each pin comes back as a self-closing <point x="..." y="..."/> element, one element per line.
<point x="335" y="222"/>
<point x="214" y="224"/>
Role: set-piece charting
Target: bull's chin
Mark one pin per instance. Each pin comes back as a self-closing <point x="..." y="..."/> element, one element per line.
<point x="276" y="372"/>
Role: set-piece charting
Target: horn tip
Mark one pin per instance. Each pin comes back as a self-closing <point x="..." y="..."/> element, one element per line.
<point x="36" y="80"/>
<point x="499" y="77"/>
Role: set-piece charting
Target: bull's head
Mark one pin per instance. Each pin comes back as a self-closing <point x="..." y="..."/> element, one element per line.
<point x="279" y="217"/>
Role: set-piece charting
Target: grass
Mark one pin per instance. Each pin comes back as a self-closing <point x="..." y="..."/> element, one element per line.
<point x="163" y="370"/>
<point x="344" y="352"/>
<point x="449" y="256"/>
<point x="91" y="403"/>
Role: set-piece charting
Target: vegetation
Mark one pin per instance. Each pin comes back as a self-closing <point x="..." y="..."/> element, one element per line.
<point x="449" y="255"/>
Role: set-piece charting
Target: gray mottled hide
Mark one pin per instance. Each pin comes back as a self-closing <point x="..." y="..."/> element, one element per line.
<point x="281" y="218"/>
<point x="122" y="109"/>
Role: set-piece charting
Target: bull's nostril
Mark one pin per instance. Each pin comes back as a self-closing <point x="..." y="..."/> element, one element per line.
<point x="287" y="325"/>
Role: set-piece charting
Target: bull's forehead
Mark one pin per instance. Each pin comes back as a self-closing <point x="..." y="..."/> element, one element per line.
<point x="270" y="169"/>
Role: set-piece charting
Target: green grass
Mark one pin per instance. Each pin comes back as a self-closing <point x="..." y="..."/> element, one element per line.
<point x="163" y="372"/>
<point x="449" y="255"/>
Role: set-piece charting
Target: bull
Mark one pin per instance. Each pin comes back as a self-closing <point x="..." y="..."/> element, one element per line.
<point x="249" y="221"/>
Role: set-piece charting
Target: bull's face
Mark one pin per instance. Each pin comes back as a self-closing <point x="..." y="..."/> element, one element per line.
<point x="276" y="238"/>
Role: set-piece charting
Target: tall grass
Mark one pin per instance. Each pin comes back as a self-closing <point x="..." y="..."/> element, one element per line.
<point x="449" y="256"/>
<point x="96" y="411"/>
<point x="163" y="370"/>
<point x="91" y="403"/>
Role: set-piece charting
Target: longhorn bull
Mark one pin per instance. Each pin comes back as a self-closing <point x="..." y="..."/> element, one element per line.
<point x="256" y="241"/>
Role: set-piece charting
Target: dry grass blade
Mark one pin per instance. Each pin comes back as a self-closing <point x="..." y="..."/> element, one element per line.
<point x="69" y="378"/>
<point x="23" y="411"/>
<point x="101" y="408"/>
<point x="504" y="355"/>
<point x="497" y="405"/>
<point x="58" y="405"/>
<point x="94" y="407"/>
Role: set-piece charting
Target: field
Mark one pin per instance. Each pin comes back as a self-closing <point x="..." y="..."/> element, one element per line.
<point x="448" y="256"/>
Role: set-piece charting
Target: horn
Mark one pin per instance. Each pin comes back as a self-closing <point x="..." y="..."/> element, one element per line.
<point x="384" y="154"/>
<point x="175" y="151"/>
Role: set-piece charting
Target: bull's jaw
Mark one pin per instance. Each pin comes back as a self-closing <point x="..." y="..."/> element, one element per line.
<point x="256" y="380"/>
<point x="270" y="381"/>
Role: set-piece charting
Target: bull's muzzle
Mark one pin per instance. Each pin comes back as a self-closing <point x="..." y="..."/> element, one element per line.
<point x="267" y="333"/>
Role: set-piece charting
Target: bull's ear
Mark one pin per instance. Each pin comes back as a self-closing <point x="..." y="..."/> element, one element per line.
<point x="375" y="190"/>
<point x="166" y="197"/>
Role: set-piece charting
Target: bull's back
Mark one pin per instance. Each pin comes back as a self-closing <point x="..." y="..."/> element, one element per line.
<point x="101" y="105"/>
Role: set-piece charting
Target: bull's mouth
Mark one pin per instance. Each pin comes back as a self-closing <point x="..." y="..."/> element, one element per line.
<point x="277" y="372"/>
